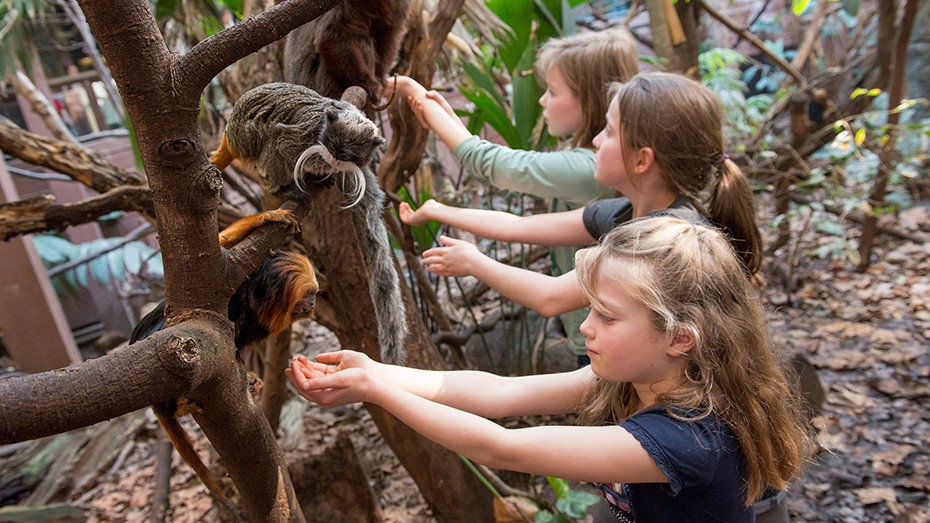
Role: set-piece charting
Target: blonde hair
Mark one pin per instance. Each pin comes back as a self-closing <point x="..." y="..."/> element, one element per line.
<point x="589" y="62"/>
<point x="688" y="278"/>
<point x="681" y="121"/>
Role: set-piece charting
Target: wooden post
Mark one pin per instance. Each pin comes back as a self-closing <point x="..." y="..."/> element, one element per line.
<point x="35" y="331"/>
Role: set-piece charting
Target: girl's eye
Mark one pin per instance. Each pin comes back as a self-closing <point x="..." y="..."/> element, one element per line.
<point x="606" y="319"/>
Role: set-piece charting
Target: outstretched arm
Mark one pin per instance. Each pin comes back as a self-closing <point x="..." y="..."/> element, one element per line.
<point x="550" y="229"/>
<point x="547" y="295"/>
<point x="485" y="394"/>
<point x="608" y="453"/>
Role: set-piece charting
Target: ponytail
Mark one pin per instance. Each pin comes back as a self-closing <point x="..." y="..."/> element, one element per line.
<point x="731" y="206"/>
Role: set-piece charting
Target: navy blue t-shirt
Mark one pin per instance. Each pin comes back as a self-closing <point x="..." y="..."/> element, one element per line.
<point x="602" y="216"/>
<point x="705" y="468"/>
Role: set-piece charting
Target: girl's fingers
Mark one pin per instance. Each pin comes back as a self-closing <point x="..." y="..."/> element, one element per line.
<point x="329" y="357"/>
<point x="449" y="241"/>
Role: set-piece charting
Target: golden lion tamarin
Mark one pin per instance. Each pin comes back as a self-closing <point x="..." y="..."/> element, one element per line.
<point x="300" y="141"/>
<point x="280" y="291"/>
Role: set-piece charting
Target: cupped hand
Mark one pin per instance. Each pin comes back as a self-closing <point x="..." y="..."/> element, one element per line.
<point x="420" y="216"/>
<point x="335" y="379"/>
<point x="456" y="259"/>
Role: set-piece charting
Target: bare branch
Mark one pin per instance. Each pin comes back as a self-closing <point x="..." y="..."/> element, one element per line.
<point x="40" y="104"/>
<point x="40" y="214"/>
<point x="64" y="157"/>
<point x="754" y="40"/>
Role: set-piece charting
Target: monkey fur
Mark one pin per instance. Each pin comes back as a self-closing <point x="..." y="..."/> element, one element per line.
<point x="297" y="138"/>
<point x="280" y="291"/>
<point x="301" y="140"/>
<point x="354" y="43"/>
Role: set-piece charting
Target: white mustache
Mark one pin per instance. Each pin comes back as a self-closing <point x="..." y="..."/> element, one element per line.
<point x="349" y="170"/>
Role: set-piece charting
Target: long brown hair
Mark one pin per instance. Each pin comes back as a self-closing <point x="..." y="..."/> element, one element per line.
<point x="687" y="277"/>
<point x="682" y="122"/>
<point x="589" y="62"/>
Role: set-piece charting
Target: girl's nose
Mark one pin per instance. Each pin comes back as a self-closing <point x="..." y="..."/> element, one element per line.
<point x="585" y="326"/>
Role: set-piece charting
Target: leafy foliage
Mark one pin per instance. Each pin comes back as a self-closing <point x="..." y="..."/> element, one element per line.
<point x="107" y="261"/>
<point x="720" y="73"/>
<point x="16" y="42"/>
<point x="501" y="82"/>
<point x="570" y="504"/>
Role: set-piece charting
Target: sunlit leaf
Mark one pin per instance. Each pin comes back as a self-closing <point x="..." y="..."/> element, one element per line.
<point x="559" y="486"/>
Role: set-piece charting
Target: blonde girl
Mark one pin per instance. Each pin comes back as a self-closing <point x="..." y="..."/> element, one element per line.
<point x="662" y="148"/>
<point x="577" y="71"/>
<point x="685" y="412"/>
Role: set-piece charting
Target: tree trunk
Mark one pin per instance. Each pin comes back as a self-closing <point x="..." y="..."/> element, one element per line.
<point x="453" y="492"/>
<point x="194" y="355"/>
<point x="886" y="156"/>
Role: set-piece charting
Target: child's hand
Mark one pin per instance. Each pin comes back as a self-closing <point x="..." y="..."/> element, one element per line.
<point x="441" y="100"/>
<point x="456" y="259"/>
<point x="434" y="95"/>
<point x="330" y="385"/>
<point x="419" y="216"/>
<point x="416" y="105"/>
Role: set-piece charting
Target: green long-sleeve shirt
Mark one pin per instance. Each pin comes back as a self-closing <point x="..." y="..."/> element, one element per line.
<point x="566" y="177"/>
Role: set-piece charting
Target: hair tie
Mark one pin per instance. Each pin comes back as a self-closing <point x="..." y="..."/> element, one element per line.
<point x="723" y="157"/>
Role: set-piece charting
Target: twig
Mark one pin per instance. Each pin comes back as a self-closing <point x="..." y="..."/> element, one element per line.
<point x="752" y="39"/>
<point x="138" y="232"/>
<point x="160" y="500"/>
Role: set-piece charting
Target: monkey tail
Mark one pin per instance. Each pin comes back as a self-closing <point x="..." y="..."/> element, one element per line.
<point x="383" y="285"/>
<point x="182" y="442"/>
<point x="379" y="108"/>
<point x="223" y="155"/>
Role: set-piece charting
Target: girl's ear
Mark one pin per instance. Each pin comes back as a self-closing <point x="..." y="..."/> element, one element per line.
<point x="682" y="342"/>
<point x="645" y="159"/>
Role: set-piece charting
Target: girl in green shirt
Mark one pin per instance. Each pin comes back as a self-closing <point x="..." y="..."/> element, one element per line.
<point x="577" y="71"/>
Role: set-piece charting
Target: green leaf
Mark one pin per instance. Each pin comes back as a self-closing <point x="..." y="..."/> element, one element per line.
<point x="860" y="137"/>
<point x="495" y="116"/>
<point x="526" y="94"/>
<point x="559" y="486"/>
<point x="799" y="6"/>
<point x="831" y="228"/>
<point x="483" y="80"/>
<point x="518" y="14"/>
<point x="575" y="503"/>
<point x="52" y="249"/>
<point x="851" y="6"/>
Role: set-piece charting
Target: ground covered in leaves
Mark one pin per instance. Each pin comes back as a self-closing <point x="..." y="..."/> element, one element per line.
<point x="867" y="334"/>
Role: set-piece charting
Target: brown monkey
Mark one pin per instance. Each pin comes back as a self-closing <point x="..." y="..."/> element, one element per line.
<point x="280" y="291"/>
<point x="354" y="43"/>
<point x="300" y="141"/>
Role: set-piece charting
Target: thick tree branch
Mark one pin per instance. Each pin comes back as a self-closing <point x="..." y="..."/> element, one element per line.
<point x="40" y="214"/>
<point x="65" y="157"/>
<point x="209" y="57"/>
<point x="166" y="365"/>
